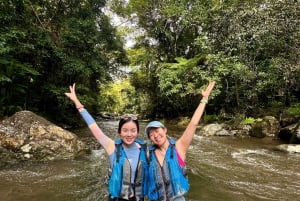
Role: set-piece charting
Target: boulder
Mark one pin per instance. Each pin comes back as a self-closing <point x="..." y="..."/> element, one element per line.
<point x="290" y="134"/>
<point x="271" y="126"/>
<point x="27" y="136"/>
<point x="268" y="127"/>
<point x="214" y="129"/>
<point x="242" y="130"/>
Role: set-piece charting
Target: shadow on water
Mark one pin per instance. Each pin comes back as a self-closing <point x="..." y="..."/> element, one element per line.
<point x="219" y="169"/>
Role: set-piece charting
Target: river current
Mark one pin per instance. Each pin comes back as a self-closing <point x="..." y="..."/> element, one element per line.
<point x="219" y="169"/>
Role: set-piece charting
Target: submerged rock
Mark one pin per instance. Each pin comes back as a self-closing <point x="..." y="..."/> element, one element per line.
<point x="290" y="148"/>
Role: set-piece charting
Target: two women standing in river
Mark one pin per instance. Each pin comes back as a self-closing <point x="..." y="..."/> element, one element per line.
<point x="128" y="156"/>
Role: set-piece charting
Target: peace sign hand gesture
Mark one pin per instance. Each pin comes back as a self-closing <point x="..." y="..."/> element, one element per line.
<point x="73" y="97"/>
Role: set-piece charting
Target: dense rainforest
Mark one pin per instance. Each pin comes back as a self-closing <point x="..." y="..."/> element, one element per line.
<point x="251" y="48"/>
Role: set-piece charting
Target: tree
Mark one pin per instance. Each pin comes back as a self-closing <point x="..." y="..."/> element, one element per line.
<point x="61" y="42"/>
<point x="251" y="47"/>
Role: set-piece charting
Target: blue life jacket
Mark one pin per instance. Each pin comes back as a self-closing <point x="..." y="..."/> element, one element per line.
<point x="119" y="181"/>
<point x="168" y="181"/>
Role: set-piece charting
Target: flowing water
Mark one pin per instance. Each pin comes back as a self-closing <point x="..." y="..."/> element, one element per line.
<point x="220" y="169"/>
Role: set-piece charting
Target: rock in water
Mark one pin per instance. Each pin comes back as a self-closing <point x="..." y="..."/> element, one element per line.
<point x="27" y="136"/>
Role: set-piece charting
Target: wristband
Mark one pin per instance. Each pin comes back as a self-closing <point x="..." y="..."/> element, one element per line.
<point x="80" y="107"/>
<point x="87" y="117"/>
<point x="203" y="100"/>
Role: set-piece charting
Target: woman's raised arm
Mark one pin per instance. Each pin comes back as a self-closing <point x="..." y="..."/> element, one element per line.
<point x="182" y="144"/>
<point x="107" y="143"/>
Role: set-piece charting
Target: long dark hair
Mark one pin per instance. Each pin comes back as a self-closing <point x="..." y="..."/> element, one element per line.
<point x="126" y="119"/>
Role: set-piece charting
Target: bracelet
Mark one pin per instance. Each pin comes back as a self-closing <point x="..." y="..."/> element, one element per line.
<point x="203" y="100"/>
<point x="80" y="107"/>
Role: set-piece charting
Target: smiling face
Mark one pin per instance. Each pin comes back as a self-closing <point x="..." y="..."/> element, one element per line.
<point x="129" y="132"/>
<point x="158" y="135"/>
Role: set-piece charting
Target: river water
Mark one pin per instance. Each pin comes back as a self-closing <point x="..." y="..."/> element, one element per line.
<point x="219" y="169"/>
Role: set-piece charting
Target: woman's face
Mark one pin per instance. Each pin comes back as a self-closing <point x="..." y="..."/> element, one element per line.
<point x="158" y="136"/>
<point x="129" y="132"/>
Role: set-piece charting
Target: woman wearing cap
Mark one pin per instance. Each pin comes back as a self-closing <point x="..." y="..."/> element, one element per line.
<point x="167" y="170"/>
<point x="128" y="159"/>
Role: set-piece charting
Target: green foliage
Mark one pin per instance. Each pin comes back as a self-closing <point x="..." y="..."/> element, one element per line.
<point x="254" y="32"/>
<point x="118" y="97"/>
<point x="15" y="80"/>
<point x="182" y="82"/>
<point x="248" y="47"/>
<point x="212" y="118"/>
<point x="251" y="48"/>
<point x="47" y="45"/>
<point x="251" y="120"/>
<point x="294" y="110"/>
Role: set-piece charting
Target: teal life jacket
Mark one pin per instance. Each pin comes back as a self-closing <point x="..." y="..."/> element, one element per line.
<point x="169" y="181"/>
<point x="119" y="181"/>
